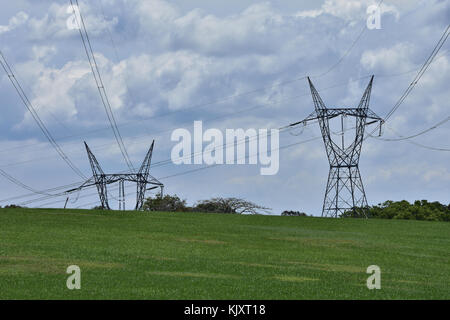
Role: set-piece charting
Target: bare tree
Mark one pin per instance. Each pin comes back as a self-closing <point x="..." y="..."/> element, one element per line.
<point x="230" y="205"/>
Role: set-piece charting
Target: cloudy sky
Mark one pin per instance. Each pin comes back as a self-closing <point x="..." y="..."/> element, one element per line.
<point x="232" y="64"/>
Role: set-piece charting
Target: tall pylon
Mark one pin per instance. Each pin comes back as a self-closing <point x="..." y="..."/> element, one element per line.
<point x="345" y="190"/>
<point x="101" y="180"/>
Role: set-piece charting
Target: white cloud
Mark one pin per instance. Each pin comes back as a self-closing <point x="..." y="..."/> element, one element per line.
<point x="244" y="33"/>
<point x="416" y="173"/>
<point x="53" y="25"/>
<point x="386" y="60"/>
<point x="19" y="19"/>
<point x="51" y="90"/>
<point x="345" y="9"/>
<point x="309" y="13"/>
<point x="431" y="175"/>
<point x="44" y="52"/>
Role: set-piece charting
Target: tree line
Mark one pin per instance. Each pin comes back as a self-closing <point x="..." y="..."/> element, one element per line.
<point x="418" y="210"/>
<point x="173" y="203"/>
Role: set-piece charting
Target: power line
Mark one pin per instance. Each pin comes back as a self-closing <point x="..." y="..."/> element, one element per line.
<point x="421" y="72"/>
<point x="407" y="139"/>
<point x="347" y="52"/>
<point x="414" y="135"/>
<point x="45" y="192"/>
<point x="100" y="86"/>
<point x="19" y="183"/>
<point x="124" y="77"/>
<point x="428" y="147"/>
<point x="40" y="108"/>
<point x="418" y="76"/>
<point x="35" y="115"/>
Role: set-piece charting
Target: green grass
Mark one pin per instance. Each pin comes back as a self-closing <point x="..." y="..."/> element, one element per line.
<point x="135" y="255"/>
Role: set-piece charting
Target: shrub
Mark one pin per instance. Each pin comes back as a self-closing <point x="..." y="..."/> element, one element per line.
<point x="293" y="213"/>
<point x="229" y="205"/>
<point x="165" y="203"/>
<point x="419" y="210"/>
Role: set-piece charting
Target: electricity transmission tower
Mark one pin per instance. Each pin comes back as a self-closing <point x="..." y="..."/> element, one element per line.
<point x="345" y="190"/>
<point x="101" y="180"/>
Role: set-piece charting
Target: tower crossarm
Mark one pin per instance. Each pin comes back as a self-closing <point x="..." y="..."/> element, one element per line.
<point x="154" y="181"/>
<point x="113" y="178"/>
<point x="331" y="113"/>
<point x="88" y="183"/>
<point x="313" y="116"/>
<point x="352" y="112"/>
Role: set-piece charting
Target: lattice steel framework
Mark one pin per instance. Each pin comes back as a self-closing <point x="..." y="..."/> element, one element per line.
<point x="142" y="178"/>
<point x="345" y="190"/>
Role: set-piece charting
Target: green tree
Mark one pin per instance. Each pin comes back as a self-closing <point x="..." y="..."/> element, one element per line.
<point x="293" y="213"/>
<point x="167" y="203"/>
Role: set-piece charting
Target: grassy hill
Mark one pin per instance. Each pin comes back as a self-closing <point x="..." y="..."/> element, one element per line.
<point x="135" y="255"/>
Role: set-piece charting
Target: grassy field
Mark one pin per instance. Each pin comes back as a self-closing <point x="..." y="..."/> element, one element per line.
<point x="129" y="255"/>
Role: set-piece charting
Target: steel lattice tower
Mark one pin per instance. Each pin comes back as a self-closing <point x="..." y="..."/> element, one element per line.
<point x="101" y="180"/>
<point x="345" y="190"/>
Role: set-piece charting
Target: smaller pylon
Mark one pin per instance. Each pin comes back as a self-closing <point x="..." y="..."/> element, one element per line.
<point x="142" y="178"/>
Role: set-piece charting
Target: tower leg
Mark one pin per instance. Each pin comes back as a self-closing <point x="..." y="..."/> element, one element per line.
<point x="140" y="194"/>
<point x="359" y="198"/>
<point x="102" y="192"/>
